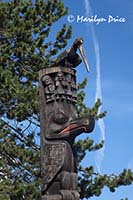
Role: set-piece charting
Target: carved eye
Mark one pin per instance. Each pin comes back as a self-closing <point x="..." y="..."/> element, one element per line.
<point x="60" y="117"/>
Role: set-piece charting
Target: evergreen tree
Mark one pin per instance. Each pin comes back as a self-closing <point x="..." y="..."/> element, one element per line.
<point x="25" y="47"/>
<point x="24" y="28"/>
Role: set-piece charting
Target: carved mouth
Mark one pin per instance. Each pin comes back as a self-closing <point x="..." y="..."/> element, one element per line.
<point x="73" y="128"/>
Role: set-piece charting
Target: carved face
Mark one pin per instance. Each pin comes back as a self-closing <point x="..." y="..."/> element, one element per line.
<point x="60" y="76"/>
<point x="47" y="80"/>
<point x="69" y="78"/>
<point x="59" y="114"/>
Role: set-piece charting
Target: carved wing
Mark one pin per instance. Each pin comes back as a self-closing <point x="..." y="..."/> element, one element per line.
<point x="54" y="154"/>
<point x="61" y="56"/>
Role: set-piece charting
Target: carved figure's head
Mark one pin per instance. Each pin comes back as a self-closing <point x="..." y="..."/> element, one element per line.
<point x="47" y="80"/>
<point x="59" y="76"/>
<point x="78" y="42"/>
<point x="69" y="78"/>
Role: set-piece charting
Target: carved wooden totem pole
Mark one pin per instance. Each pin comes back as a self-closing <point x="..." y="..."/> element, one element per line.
<point x="60" y="125"/>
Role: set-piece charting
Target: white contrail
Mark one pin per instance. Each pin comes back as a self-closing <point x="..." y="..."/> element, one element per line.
<point x="100" y="154"/>
<point x="130" y="164"/>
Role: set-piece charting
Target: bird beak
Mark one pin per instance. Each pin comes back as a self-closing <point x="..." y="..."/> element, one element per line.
<point x="82" y="52"/>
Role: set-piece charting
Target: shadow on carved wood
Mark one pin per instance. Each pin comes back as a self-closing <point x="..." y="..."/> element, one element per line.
<point x="60" y="124"/>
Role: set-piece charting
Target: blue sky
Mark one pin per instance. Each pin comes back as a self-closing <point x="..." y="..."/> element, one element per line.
<point x="115" y="41"/>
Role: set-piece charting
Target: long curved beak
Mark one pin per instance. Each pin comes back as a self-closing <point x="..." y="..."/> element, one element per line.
<point x="72" y="128"/>
<point x="82" y="52"/>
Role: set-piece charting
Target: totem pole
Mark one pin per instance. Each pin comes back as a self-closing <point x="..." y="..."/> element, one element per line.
<point x="60" y="124"/>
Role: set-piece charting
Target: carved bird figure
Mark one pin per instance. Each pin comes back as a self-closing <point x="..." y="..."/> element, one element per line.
<point x="70" y="58"/>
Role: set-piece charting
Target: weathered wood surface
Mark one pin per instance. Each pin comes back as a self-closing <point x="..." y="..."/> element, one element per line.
<point x="60" y="124"/>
